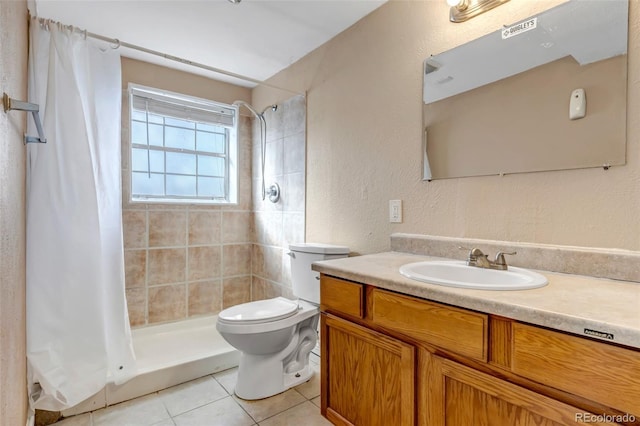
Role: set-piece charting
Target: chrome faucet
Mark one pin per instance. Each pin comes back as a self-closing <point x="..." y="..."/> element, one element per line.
<point x="480" y="260"/>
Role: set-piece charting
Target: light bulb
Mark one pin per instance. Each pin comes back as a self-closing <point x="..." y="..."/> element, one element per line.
<point x="454" y="3"/>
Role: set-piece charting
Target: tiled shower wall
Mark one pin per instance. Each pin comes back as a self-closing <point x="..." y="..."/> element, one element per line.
<point x="189" y="260"/>
<point x="182" y="261"/>
<point x="277" y="225"/>
<point x="185" y="260"/>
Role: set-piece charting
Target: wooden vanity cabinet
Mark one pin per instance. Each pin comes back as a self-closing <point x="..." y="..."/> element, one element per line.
<point x="393" y="359"/>
<point x="371" y="376"/>
<point x="462" y="396"/>
<point x="597" y="371"/>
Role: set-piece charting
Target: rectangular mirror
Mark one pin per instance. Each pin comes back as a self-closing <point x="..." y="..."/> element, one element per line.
<point x="501" y="104"/>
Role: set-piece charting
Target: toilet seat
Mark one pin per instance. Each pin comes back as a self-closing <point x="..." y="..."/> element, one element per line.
<point x="303" y="310"/>
<point x="259" y="311"/>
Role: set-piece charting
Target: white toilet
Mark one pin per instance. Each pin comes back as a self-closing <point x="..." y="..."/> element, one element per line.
<point x="275" y="336"/>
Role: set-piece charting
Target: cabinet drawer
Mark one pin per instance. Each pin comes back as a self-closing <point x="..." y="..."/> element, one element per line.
<point x="598" y="371"/>
<point x="455" y="329"/>
<point x="341" y="296"/>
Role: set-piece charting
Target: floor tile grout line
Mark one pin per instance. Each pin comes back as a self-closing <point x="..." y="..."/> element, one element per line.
<point x="255" y="422"/>
<point x="194" y="408"/>
<point x="212" y="376"/>
<point x="228" y="394"/>
<point x="284" y="411"/>
<point x="164" y="405"/>
<point x="249" y="414"/>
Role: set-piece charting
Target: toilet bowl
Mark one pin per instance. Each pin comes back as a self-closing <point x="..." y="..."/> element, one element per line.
<point x="275" y="336"/>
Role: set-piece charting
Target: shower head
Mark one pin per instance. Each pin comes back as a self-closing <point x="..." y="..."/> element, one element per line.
<point x="273" y="107"/>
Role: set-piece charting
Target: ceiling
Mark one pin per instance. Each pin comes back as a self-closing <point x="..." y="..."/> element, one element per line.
<point x="255" y="38"/>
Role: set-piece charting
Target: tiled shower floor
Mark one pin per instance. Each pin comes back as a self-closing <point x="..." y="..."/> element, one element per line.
<point x="209" y="401"/>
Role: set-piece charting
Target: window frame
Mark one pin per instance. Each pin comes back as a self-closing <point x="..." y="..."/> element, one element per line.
<point x="231" y="174"/>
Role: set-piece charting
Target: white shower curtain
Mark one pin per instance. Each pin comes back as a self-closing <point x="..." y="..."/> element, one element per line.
<point x="78" y="334"/>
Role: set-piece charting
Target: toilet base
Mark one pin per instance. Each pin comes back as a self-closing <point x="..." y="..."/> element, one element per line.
<point x="263" y="380"/>
<point x="262" y="376"/>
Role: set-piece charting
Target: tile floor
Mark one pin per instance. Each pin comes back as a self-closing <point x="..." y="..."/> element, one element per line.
<point x="209" y="401"/>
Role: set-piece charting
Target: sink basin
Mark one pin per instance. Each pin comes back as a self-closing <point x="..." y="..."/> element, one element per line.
<point x="453" y="273"/>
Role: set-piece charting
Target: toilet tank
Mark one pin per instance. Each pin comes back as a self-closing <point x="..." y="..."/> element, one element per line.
<point x="306" y="283"/>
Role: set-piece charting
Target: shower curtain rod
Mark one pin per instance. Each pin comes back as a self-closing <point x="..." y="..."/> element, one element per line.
<point x="118" y="43"/>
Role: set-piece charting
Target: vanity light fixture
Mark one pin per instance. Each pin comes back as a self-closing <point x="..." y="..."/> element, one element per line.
<point x="462" y="10"/>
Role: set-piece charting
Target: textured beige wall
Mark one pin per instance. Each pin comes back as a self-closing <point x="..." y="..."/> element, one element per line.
<point x="13" y="63"/>
<point x="364" y="104"/>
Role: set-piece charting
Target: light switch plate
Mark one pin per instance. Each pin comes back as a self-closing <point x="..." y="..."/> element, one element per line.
<point x="395" y="211"/>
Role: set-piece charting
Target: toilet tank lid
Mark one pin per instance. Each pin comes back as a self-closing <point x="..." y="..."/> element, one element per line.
<point x="319" y="248"/>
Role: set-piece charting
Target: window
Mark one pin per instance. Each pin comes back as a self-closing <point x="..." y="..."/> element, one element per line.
<point x="183" y="149"/>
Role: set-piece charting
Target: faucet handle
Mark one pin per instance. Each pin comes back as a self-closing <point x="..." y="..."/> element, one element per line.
<point x="474" y="253"/>
<point x="500" y="257"/>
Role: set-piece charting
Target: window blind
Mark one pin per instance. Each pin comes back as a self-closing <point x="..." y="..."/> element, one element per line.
<point x="183" y="109"/>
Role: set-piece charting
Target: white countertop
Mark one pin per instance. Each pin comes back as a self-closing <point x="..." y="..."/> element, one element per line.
<point x="570" y="303"/>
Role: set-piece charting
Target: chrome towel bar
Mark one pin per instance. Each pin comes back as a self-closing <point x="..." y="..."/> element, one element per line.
<point x="12" y="104"/>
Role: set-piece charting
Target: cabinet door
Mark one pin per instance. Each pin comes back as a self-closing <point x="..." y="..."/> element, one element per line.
<point x="367" y="377"/>
<point x="461" y="396"/>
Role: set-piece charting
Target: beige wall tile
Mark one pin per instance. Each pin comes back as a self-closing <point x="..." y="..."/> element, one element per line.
<point x="167" y="228"/>
<point x="293" y="228"/>
<point x="205" y="297"/>
<point x="263" y="289"/>
<point x="173" y="228"/>
<point x="235" y="291"/>
<point x="236" y="260"/>
<point x="205" y="262"/>
<point x="295" y="115"/>
<point x="268" y="228"/>
<point x="245" y="155"/>
<point x="267" y="262"/>
<point x="135" y="268"/>
<point x="136" y="305"/>
<point x="167" y="303"/>
<point x="294" y="153"/>
<point x="275" y="124"/>
<point x="274" y="159"/>
<point x="204" y="227"/>
<point x="293" y="192"/>
<point x="134" y="227"/>
<point x="236" y="227"/>
<point x="285" y="279"/>
<point x="166" y="266"/>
